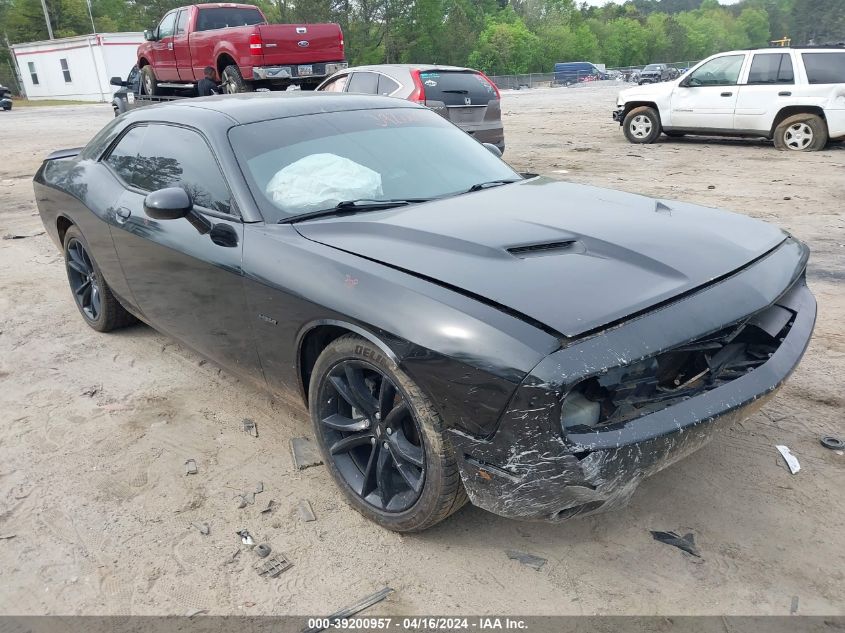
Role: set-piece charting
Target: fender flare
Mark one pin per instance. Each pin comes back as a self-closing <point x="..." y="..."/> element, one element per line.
<point x="355" y="329"/>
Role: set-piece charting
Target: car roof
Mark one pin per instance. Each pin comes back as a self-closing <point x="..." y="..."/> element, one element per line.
<point x="250" y="107"/>
<point x="407" y="67"/>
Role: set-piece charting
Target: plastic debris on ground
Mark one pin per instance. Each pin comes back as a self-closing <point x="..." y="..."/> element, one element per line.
<point x="353" y="609"/>
<point x="262" y="550"/>
<point x="246" y="537"/>
<point x="191" y="467"/>
<point x="250" y="427"/>
<point x="789" y="458"/>
<point x="248" y="498"/>
<point x="305" y="454"/>
<point x="203" y="528"/>
<point x="527" y="559"/>
<point x="269" y="508"/>
<point x="685" y="542"/>
<point x="305" y="511"/>
<point x="273" y="566"/>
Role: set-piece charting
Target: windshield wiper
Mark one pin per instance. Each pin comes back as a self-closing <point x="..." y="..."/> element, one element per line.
<point x="354" y="206"/>
<point x="490" y="183"/>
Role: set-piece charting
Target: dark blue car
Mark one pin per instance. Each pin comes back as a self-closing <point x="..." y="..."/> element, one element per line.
<point x="573" y="72"/>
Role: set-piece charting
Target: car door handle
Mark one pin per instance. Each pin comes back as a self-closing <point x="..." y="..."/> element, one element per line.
<point x="170" y="46"/>
<point x="122" y="214"/>
<point x="727" y="94"/>
<point x="785" y="93"/>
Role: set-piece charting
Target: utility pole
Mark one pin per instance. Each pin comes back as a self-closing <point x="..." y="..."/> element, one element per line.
<point x="91" y="15"/>
<point x="47" y="18"/>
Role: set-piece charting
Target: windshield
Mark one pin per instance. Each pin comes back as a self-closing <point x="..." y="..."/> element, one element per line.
<point x="653" y="67"/>
<point x="303" y="164"/>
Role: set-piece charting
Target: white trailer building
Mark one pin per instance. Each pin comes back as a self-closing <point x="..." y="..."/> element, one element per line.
<point x="76" y="67"/>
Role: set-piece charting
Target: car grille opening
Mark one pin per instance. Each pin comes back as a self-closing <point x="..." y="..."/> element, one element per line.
<point x="626" y="393"/>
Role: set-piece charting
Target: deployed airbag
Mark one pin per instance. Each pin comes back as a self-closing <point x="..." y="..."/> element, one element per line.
<point x="320" y="181"/>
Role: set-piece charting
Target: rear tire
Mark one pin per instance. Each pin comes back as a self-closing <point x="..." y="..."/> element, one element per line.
<point x="801" y="133"/>
<point x="409" y="447"/>
<point x="233" y="81"/>
<point x="98" y="306"/>
<point x="149" y="83"/>
<point x="642" y="125"/>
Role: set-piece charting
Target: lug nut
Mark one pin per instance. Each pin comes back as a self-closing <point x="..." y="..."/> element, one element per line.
<point x="389" y="431"/>
<point x="385" y="444"/>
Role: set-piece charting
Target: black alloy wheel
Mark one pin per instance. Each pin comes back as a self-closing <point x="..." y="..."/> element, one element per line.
<point x="371" y="435"/>
<point x="83" y="279"/>
<point x="91" y="292"/>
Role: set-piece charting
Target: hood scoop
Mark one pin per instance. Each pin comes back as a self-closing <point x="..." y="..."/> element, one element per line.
<point x="559" y="247"/>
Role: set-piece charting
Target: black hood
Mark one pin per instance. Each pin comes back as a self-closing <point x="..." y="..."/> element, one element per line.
<point x="572" y="257"/>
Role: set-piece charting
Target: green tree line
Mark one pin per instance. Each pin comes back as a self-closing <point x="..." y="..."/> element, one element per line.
<point x="497" y="36"/>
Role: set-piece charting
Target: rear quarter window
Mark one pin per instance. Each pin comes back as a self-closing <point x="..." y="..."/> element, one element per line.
<point x="454" y="87"/>
<point x="825" y="68"/>
<point x="224" y="17"/>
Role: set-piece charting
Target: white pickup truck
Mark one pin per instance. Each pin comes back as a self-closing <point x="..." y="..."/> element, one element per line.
<point x="795" y="96"/>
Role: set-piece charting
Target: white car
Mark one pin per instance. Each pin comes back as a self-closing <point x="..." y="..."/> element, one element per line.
<point x="795" y="96"/>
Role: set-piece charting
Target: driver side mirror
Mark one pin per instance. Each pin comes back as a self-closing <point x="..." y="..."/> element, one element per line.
<point x="168" y="204"/>
<point x="493" y="149"/>
<point x="149" y="35"/>
<point x="117" y="81"/>
<point x="174" y="203"/>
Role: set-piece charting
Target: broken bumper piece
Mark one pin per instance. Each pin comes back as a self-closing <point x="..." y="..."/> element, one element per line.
<point x="533" y="468"/>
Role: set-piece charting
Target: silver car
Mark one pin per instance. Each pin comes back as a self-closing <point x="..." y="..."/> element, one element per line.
<point x="464" y="96"/>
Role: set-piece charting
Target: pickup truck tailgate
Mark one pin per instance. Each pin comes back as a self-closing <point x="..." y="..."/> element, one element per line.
<point x="300" y="43"/>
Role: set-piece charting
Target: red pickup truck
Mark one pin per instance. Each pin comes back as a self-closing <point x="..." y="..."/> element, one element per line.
<point x="237" y="41"/>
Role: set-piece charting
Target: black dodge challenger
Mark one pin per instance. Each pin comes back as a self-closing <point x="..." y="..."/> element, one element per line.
<point x="455" y="329"/>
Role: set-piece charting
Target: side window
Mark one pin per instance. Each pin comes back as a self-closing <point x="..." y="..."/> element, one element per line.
<point x="65" y="70"/>
<point x="336" y="85"/>
<point x="771" y="69"/>
<point x="176" y="157"/>
<point x="364" y="83"/>
<point x="722" y="71"/>
<point x="32" y="74"/>
<point x="825" y="68"/>
<point x="165" y="28"/>
<point x="182" y="22"/>
<point x="386" y="85"/>
<point x="124" y="155"/>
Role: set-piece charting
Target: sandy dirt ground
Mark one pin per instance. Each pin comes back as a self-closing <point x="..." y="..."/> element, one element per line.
<point x="95" y="430"/>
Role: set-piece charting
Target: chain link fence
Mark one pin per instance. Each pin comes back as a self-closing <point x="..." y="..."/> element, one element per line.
<point x="8" y="78"/>
<point x="576" y="77"/>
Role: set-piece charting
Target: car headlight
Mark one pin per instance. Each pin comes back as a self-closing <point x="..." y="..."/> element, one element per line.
<point x="577" y="410"/>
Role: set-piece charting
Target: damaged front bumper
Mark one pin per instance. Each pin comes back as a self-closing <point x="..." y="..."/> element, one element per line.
<point x="534" y="470"/>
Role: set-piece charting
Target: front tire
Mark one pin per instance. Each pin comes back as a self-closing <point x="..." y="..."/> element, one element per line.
<point x="233" y="81"/>
<point x="642" y="125"/>
<point x="382" y="439"/>
<point x="801" y="133"/>
<point x="98" y="306"/>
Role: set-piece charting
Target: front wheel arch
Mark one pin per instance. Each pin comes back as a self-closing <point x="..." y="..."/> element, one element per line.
<point x="317" y="335"/>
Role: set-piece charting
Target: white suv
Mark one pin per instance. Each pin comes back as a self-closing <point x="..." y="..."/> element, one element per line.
<point x="795" y="96"/>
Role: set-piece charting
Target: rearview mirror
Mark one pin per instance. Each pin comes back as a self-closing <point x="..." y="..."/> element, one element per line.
<point x="168" y="204"/>
<point x="493" y="149"/>
<point x="149" y="35"/>
<point x="117" y="81"/>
